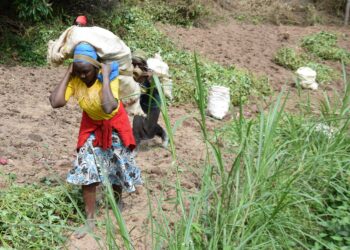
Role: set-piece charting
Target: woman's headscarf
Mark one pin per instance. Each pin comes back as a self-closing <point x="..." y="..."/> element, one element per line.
<point x="84" y="52"/>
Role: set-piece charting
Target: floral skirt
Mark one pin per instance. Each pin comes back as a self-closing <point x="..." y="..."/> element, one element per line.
<point x="94" y="165"/>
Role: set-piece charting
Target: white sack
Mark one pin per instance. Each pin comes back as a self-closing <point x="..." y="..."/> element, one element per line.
<point x="307" y="78"/>
<point x="161" y="69"/>
<point x="218" y="101"/>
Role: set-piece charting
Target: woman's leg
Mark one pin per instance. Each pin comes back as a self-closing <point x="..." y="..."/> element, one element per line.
<point x="89" y="196"/>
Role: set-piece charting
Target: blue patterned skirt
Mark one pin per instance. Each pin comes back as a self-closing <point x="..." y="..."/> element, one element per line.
<point x="94" y="165"/>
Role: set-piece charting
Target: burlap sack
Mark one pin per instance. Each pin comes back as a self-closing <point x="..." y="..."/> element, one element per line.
<point x="109" y="47"/>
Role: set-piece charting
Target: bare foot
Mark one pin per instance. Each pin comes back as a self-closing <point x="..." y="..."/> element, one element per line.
<point x="89" y="227"/>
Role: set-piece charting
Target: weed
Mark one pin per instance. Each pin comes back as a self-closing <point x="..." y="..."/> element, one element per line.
<point x="324" y="45"/>
<point x="35" y="217"/>
<point x="325" y="74"/>
<point x="290" y="59"/>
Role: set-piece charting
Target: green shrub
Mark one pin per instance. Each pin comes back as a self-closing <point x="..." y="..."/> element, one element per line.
<point x="325" y="74"/>
<point x="29" y="49"/>
<point x="288" y="58"/>
<point x="33" y="10"/>
<point x="324" y="45"/>
<point x="182" y="12"/>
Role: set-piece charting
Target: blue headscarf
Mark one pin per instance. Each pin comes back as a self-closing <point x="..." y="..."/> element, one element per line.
<point x="87" y="50"/>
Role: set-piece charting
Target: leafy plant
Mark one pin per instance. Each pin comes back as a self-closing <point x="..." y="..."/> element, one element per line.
<point x="325" y="74"/>
<point x="33" y="10"/>
<point x="288" y="58"/>
<point x="324" y="45"/>
<point x="35" y="217"/>
<point x="182" y="12"/>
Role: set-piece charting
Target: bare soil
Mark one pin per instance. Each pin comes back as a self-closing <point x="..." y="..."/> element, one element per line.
<point x="253" y="47"/>
<point x="39" y="142"/>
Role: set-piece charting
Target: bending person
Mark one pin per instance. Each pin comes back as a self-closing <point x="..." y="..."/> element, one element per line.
<point x="145" y="128"/>
<point x="105" y="141"/>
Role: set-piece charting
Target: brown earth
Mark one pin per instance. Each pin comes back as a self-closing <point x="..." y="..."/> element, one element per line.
<point x="40" y="142"/>
<point x="254" y="47"/>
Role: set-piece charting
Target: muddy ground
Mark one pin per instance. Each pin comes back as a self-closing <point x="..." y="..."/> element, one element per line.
<point x="40" y="142"/>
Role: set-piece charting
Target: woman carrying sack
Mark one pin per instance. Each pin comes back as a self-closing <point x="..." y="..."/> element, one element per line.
<point x="105" y="141"/>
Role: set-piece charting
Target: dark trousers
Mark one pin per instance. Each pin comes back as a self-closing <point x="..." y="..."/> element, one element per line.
<point x="147" y="127"/>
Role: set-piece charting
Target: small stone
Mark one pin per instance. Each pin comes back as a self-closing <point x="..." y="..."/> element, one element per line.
<point x="35" y="137"/>
<point x="157" y="171"/>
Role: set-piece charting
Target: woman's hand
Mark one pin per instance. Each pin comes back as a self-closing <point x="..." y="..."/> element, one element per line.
<point x="109" y="103"/>
<point x="70" y="69"/>
<point x="106" y="70"/>
<point x="57" y="97"/>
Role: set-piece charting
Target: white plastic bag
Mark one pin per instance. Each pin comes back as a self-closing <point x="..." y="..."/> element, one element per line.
<point x="307" y="78"/>
<point x="161" y="69"/>
<point x="218" y="101"/>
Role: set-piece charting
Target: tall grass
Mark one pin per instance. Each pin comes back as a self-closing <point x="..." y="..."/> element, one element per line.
<point x="272" y="194"/>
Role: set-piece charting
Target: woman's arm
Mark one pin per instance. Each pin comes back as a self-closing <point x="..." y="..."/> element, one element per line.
<point x="109" y="103"/>
<point x="57" y="97"/>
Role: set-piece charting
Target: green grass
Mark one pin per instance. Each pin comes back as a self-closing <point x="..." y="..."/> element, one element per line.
<point x="287" y="187"/>
<point x="291" y="59"/>
<point x="324" y="45"/>
<point x="36" y="216"/>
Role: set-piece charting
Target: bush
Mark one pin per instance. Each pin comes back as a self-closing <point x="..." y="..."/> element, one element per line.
<point x="324" y="45"/>
<point x="288" y="58"/>
<point x="33" y="10"/>
<point x="325" y="74"/>
<point x="181" y="12"/>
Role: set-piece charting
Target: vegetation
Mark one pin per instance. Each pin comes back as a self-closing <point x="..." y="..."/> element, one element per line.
<point x="290" y="59"/>
<point x="314" y="50"/>
<point x="324" y="45"/>
<point x="36" y="216"/>
<point x="287" y="187"/>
